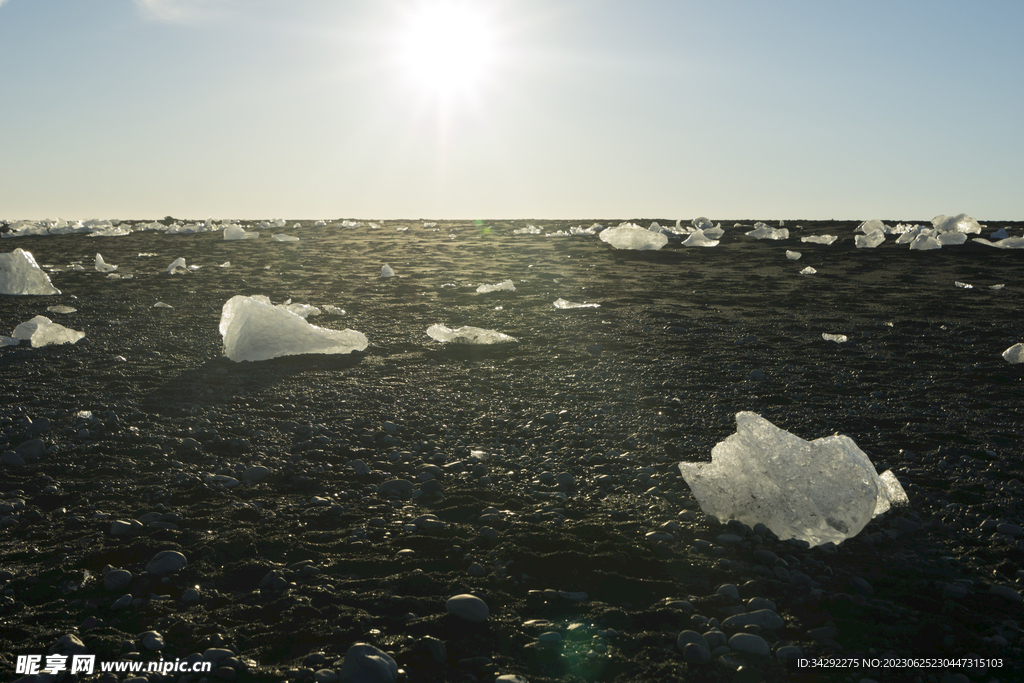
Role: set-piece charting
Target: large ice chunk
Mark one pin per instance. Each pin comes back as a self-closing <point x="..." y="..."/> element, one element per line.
<point x="630" y="236"/>
<point x="817" y="491"/>
<point x="958" y="223"/>
<point x="869" y="240"/>
<point x="22" y="276"/>
<point x="467" y="335"/>
<point x="41" y="331"/>
<point x="762" y="231"/>
<point x="237" y="232"/>
<point x="1015" y="354"/>
<point x="255" y="329"/>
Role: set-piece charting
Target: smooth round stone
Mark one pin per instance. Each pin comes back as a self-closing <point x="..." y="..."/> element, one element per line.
<point x="117" y="579"/>
<point x="694" y="653"/>
<point x="166" y="562"/>
<point x="468" y="607"/>
<point x="191" y="596"/>
<point x="152" y="640"/>
<point x="788" y="652"/>
<point x="217" y="654"/>
<point x="565" y="479"/>
<point x="325" y="676"/>
<point x="225" y="672"/>
<point x="1006" y="593"/>
<point x="365" y="663"/>
<point x="122" y="602"/>
<point x="760" y="603"/>
<point x="729" y="590"/>
<point x="476" y="569"/>
<point x="686" y="637"/>
<point x="748" y="642"/>
<point x="359" y="466"/>
<point x="1009" y="529"/>
<point x="67" y="644"/>
<point x="432" y="647"/>
<point x="11" y="458"/>
<point x="396" y="487"/>
<point x="122" y="528"/>
<point x="714" y="639"/>
<point x="762" y="618"/>
<point x="256" y="474"/>
<point x="659" y="536"/>
<point x="550" y="637"/>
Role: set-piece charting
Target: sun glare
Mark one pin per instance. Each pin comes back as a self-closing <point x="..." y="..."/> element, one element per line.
<point x="448" y="48"/>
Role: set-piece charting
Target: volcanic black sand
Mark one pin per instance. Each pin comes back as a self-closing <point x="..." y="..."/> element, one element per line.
<point x="289" y="571"/>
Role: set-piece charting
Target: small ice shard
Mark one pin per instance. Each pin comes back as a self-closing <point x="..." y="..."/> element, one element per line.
<point x="793" y="255"/>
<point x="767" y="232"/>
<point x="925" y="242"/>
<point x="41" y="331"/>
<point x="161" y="304"/>
<point x="194" y="267"/>
<point x="808" y="271"/>
<point x="236" y="232"/>
<point x="837" y="338"/>
<point x="20" y="275"/>
<point x="963" y="285"/>
<point x="698" y="238"/>
<point x="958" y="223"/>
<point x="226" y="264"/>
<point x="177" y="266"/>
<point x="629" y="236"/>
<point x="9" y="341"/>
<point x="506" y="286"/>
<point x="113" y="276"/>
<point x="999" y="234"/>
<point x="467" y="335"/>
<point x="102" y="266"/>
<point x="281" y="237"/>
<point x="62" y="309"/>
<point x="870" y="240"/>
<point x="1014" y="354"/>
<point x="909" y="236"/>
<point x="387" y="271"/>
<point x="818" y="491"/>
<point x="333" y="310"/>
<point x="254" y="329"/>
<point x="562" y="303"/>
<point x="819" y="239"/>
<point x="996" y="286"/>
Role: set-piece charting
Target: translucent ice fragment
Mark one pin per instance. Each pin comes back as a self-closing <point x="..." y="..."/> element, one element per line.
<point x="9" y="341"/>
<point x="236" y="232"/>
<point x="21" y="275"/>
<point x="467" y="335"/>
<point x="996" y="286"/>
<point x="506" y="286"/>
<point x="177" y="266"/>
<point x="62" y="309"/>
<point x="528" y="230"/>
<point x="102" y="266"/>
<point x="386" y="271"/>
<point x="924" y="242"/>
<point x="868" y="227"/>
<point x="41" y="331"/>
<point x="818" y="491"/>
<point x="161" y="304"/>
<point x="958" y="223"/>
<point x="303" y="310"/>
<point x="1014" y="354"/>
<point x="254" y="329"/>
<point x="999" y="234"/>
<point x="837" y="338"/>
<point x="698" y="238"/>
<point x="808" y="271"/>
<point x="870" y="240"/>
<point x="766" y="232"/>
<point x="333" y="310"/>
<point x="281" y="237"/>
<point x="819" y="239"/>
<point x="793" y="255"/>
<point x="629" y="236"/>
<point x="226" y="264"/>
<point x="1007" y="243"/>
<point x="562" y="303"/>
<point x="963" y="285"/>
<point x="951" y="238"/>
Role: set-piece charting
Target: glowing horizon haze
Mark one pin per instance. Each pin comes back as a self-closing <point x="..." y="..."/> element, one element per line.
<point x="548" y="109"/>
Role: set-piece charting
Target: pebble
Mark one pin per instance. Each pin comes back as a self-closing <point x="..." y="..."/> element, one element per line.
<point x="365" y="663"/>
<point x="117" y="579"/>
<point x="11" y="458"/>
<point x="152" y="640"/>
<point x="1007" y="593"/>
<point x="325" y="676"/>
<point x="166" y="562"/>
<point x="256" y="474"/>
<point x="729" y="590"/>
<point x="476" y="569"/>
<point x="748" y="642"/>
<point x="763" y="618"/>
<point x="359" y="466"/>
<point x="398" y="487"/>
<point x="468" y="607"/>
<point x="31" y="449"/>
<point x="788" y="652"/>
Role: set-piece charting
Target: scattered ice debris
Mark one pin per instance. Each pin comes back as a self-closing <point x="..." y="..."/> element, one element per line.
<point x="387" y="271"/>
<point x="630" y="236"/>
<point x="254" y="329"/>
<point x="111" y="231"/>
<point x="958" y="223"/>
<point x="699" y="238"/>
<point x="102" y="266"/>
<point x="161" y="304"/>
<point x="21" y="275"/>
<point x="41" y="331"/>
<point x="819" y="239"/>
<point x="766" y="232"/>
<point x="147" y="254"/>
<point x="281" y="237"/>
<point x="869" y="240"/>
<point x="562" y="303"/>
<point x="925" y="242"/>
<point x="62" y="309"/>
<point x="963" y="285"/>
<point x="177" y="266"/>
<point x="837" y="338"/>
<point x="818" y="491"/>
<point x="506" y="286"/>
<point x="1015" y="354"/>
<point x="236" y="232"/>
<point x="1006" y="243"/>
<point x="226" y="264"/>
<point x="467" y="335"/>
<point x="793" y="255"/>
<point x="910" y="235"/>
<point x="428" y="224"/>
<point x="808" y="271"/>
<point x="333" y="310"/>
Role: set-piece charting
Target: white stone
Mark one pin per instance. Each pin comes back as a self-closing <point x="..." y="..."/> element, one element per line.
<point x="468" y="607"/>
<point x="254" y="329"/>
<point x="817" y="491"/>
<point x="20" y="275"/>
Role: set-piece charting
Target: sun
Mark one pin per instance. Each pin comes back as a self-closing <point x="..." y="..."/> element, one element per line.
<point x="448" y="48"/>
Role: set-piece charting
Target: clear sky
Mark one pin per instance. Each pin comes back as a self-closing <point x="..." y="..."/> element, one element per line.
<point x="511" y="109"/>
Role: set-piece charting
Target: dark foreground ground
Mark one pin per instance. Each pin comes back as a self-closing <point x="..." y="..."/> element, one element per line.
<point x="284" y="574"/>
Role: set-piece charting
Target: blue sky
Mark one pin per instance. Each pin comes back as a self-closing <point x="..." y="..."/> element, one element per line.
<point x="586" y="109"/>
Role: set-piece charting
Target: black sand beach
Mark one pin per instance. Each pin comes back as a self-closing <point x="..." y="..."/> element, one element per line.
<point x="545" y="464"/>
